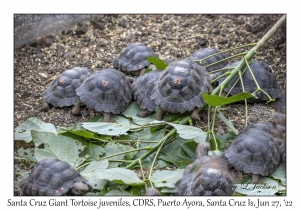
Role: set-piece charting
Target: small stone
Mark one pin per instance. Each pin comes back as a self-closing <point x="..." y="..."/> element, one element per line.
<point x="124" y="23"/>
<point x="216" y="24"/>
<point x="81" y="29"/>
<point x="99" y="25"/>
<point x="25" y="94"/>
<point x="217" y="31"/>
<point x="222" y="41"/>
<point x="202" y="41"/>
<point x="46" y="41"/>
<point x="69" y="55"/>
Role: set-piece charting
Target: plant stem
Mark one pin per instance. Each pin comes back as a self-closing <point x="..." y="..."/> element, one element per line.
<point x="250" y="55"/>
<point x="156" y="146"/>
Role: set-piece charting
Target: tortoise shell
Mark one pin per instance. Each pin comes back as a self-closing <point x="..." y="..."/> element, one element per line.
<point x="51" y="177"/>
<point x="264" y="77"/>
<point x="198" y="55"/>
<point x="133" y="58"/>
<point x="179" y="87"/>
<point x="61" y="92"/>
<point x="206" y="176"/>
<point x="106" y="91"/>
<point x="142" y="87"/>
<point x="254" y="151"/>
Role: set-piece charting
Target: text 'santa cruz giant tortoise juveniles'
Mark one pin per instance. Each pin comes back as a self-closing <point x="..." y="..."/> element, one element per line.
<point x="133" y="59"/>
<point x="54" y="177"/>
<point x="107" y="91"/>
<point x="61" y="92"/>
<point x="206" y="176"/>
<point x="198" y="55"/>
<point x="142" y="87"/>
<point x="257" y="150"/>
<point x="264" y="77"/>
<point x="179" y="88"/>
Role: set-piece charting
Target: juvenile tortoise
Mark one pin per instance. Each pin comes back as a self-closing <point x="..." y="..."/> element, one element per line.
<point x="142" y="87"/>
<point x="198" y="55"/>
<point x="133" y="59"/>
<point x="257" y="150"/>
<point x="206" y="176"/>
<point x="54" y="177"/>
<point x="264" y="77"/>
<point x="179" y="88"/>
<point x="61" y="92"/>
<point x="107" y="91"/>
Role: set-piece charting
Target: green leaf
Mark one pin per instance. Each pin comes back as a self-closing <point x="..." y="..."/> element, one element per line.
<point x="112" y="129"/>
<point x="166" y="178"/>
<point x="157" y="135"/>
<point x="23" y="131"/>
<point x="27" y="154"/>
<point x="280" y="173"/>
<point x="132" y="111"/>
<point x="93" y="168"/>
<point x="184" y="155"/>
<point x="189" y="132"/>
<point x="61" y="147"/>
<point x="112" y="149"/>
<point x="79" y="130"/>
<point x="215" y="144"/>
<point x="225" y="139"/>
<point x="93" y="151"/>
<point x="117" y="193"/>
<point x="120" y="176"/>
<point x="227" y="122"/>
<point x="214" y="100"/>
<point x="160" y="64"/>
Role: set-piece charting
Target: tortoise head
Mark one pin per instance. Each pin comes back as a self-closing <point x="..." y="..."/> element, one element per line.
<point x="80" y="188"/>
<point x="202" y="149"/>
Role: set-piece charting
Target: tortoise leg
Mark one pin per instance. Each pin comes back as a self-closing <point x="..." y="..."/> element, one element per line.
<point x="76" y="109"/>
<point x="106" y="116"/>
<point x="80" y="188"/>
<point x="195" y="115"/>
<point x="255" y="178"/>
<point x="45" y="106"/>
<point x="143" y="113"/>
<point x="160" y="114"/>
<point x="143" y="71"/>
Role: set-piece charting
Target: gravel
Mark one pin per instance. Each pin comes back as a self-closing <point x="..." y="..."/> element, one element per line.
<point x="95" y="44"/>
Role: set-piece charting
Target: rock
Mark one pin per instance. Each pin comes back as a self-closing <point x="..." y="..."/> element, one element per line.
<point x="46" y="41"/>
<point x="99" y="26"/>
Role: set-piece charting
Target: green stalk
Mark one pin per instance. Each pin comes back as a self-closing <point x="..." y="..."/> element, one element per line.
<point x="250" y="55"/>
<point x="156" y="146"/>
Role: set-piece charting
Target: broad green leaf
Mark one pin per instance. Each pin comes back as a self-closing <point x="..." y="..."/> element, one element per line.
<point x="58" y="146"/>
<point x="112" y="129"/>
<point x="93" y="168"/>
<point x="120" y="176"/>
<point x="23" y="131"/>
<point x="280" y="173"/>
<point x="184" y="155"/>
<point x="215" y="144"/>
<point x="266" y="186"/>
<point x="166" y="178"/>
<point x="169" y="190"/>
<point x="79" y="130"/>
<point x="214" y="100"/>
<point x="117" y="193"/>
<point x="27" y="154"/>
<point x="132" y="111"/>
<point x="188" y="132"/>
<point x="155" y="136"/>
<point x="112" y="149"/>
<point x="160" y="64"/>
<point x="225" y="139"/>
<point x="227" y="122"/>
<point x="93" y="151"/>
